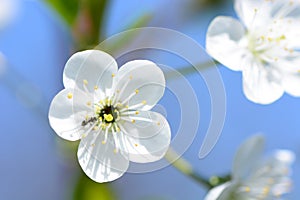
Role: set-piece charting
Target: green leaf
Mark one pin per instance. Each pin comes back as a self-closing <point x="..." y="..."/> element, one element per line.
<point x="67" y="9"/>
<point x="86" y="189"/>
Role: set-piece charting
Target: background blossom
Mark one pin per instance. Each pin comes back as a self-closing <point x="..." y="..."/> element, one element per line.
<point x="254" y="177"/>
<point x="263" y="45"/>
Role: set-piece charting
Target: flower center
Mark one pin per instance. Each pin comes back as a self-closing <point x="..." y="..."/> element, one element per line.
<point x="108" y="114"/>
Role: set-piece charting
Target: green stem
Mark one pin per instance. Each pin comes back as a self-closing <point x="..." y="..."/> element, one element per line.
<point x="184" y="167"/>
<point x="89" y="24"/>
<point x="188" y="70"/>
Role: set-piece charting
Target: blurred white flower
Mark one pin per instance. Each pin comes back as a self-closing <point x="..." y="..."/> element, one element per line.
<point x="256" y="178"/>
<point x="265" y="47"/>
<point x="8" y="9"/>
<point x="108" y="109"/>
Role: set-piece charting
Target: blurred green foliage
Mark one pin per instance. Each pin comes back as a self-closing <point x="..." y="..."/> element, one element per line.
<point x="212" y="2"/>
<point x="84" y="19"/>
<point x="86" y="189"/>
<point x="67" y="9"/>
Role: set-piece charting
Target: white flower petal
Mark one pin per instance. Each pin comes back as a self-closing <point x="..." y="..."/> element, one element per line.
<point x="100" y="161"/>
<point x="285" y="9"/>
<point x="67" y="114"/>
<point x="262" y="84"/>
<point x="253" y="13"/>
<point x="285" y="156"/>
<point x="273" y="172"/>
<point x="291" y="84"/>
<point x="216" y="192"/>
<point x="143" y="81"/>
<point x="143" y="124"/>
<point x="89" y="69"/>
<point x="247" y="155"/>
<point x="150" y="149"/>
<point x="222" y="42"/>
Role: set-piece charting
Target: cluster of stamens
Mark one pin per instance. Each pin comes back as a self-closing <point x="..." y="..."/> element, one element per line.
<point x="107" y="113"/>
<point x="261" y="44"/>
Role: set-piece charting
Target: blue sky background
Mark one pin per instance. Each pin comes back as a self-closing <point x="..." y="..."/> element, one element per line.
<point x="37" y="45"/>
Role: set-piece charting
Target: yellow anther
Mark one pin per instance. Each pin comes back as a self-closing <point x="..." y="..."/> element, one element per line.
<point x="136" y="91"/>
<point x="276" y="59"/>
<point x="95" y="87"/>
<point x="136" y="145"/>
<point x="87" y="117"/>
<point x="127" y="106"/>
<point x="88" y="103"/>
<point x="262" y="37"/>
<point x="118" y="129"/>
<point x="144" y="102"/>
<point x="247" y="189"/>
<point x="115" y="151"/>
<point x="93" y="145"/>
<point x="158" y="123"/>
<point x="98" y="109"/>
<point x="137" y="112"/>
<point x="108" y="117"/>
<point x="108" y="101"/>
<point x="133" y="121"/>
<point x="101" y="102"/>
<point x="70" y="95"/>
<point x="103" y="142"/>
<point x="298" y="71"/>
<point x="83" y="135"/>
<point x="266" y="190"/>
<point x="118" y="91"/>
<point x="130" y="77"/>
<point x="280" y="38"/>
<point x="96" y="128"/>
<point x="113" y="75"/>
<point x="103" y="126"/>
<point x="85" y="82"/>
<point x="270" y="39"/>
<point x="255" y="9"/>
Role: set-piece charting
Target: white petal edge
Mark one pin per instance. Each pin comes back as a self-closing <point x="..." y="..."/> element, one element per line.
<point x="151" y="149"/>
<point x="94" y="66"/>
<point x="253" y="13"/>
<point x="143" y="77"/>
<point x="66" y="114"/>
<point x="247" y="156"/>
<point x="291" y="84"/>
<point x="222" y="42"/>
<point x="99" y="161"/>
<point x="261" y="84"/>
<point x="215" y="193"/>
<point x="285" y="156"/>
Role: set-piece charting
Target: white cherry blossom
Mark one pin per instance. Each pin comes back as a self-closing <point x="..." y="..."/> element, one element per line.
<point x="264" y="46"/>
<point x="254" y="177"/>
<point x="109" y="110"/>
